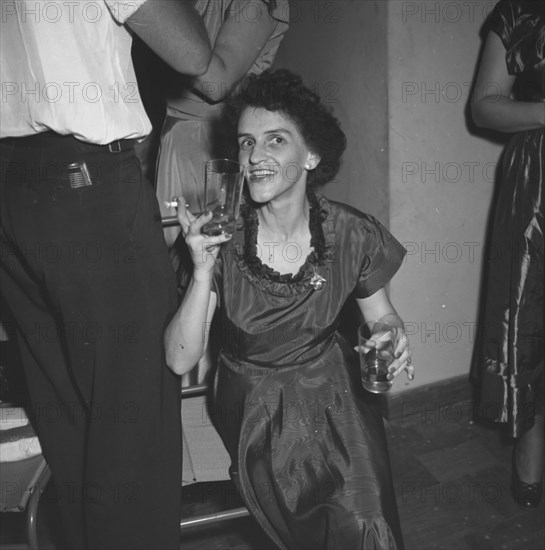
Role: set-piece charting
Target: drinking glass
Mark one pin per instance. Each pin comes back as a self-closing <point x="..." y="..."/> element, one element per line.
<point x="223" y="181"/>
<point x="377" y="342"/>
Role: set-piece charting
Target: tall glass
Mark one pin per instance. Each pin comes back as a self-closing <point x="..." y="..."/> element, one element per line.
<point x="223" y="182"/>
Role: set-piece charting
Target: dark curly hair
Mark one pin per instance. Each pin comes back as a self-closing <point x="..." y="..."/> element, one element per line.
<point x="284" y="92"/>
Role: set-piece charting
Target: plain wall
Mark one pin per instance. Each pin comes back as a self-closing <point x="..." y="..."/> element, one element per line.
<point x="441" y="179"/>
<point x="398" y="75"/>
<point x="339" y="48"/>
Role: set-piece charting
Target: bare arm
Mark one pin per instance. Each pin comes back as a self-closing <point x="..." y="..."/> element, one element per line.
<point x="492" y="106"/>
<point x="238" y="45"/>
<point x="187" y="333"/>
<point x="175" y="32"/>
<point x="378" y="305"/>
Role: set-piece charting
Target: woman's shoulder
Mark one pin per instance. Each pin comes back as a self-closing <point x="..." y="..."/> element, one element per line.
<point x="363" y="238"/>
<point x="345" y="213"/>
<point x="346" y="224"/>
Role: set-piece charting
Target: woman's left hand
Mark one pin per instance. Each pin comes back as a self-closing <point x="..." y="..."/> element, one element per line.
<point x="379" y="314"/>
<point x="402" y="353"/>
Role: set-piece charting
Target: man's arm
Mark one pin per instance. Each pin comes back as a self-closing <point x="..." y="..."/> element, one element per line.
<point x="175" y="32"/>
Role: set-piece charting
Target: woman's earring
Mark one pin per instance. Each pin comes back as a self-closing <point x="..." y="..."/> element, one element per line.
<point x="312" y="163"/>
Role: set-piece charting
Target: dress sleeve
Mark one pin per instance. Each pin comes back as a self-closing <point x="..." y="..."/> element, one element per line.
<point x="502" y="21"/>
<point x="252" y="10"/>
<point x="121" y="10"/>
<point x="382" y="257"/>
<point x="520" y="26"/>
<point x="277" y="9"/>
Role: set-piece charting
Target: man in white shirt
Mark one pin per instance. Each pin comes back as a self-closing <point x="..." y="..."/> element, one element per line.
<point x="84" y="267"/>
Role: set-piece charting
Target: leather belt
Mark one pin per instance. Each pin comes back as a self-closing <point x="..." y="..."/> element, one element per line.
<point x="121" y="145"/>
<point x="54" y="140"/>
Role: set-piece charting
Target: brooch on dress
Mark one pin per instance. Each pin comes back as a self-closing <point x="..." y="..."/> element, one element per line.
<point x="317" y="282"/>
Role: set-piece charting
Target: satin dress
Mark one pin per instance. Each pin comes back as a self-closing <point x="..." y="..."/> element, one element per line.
<point x="307" y="442"/>
<point x="509" y="360"/>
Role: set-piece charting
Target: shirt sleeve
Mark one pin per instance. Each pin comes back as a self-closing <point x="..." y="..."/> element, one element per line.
<point x="383" y="255"/>
<point x="121" y="10"/>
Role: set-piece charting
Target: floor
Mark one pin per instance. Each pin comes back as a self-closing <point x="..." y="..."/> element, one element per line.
<point x="452" y="477"/>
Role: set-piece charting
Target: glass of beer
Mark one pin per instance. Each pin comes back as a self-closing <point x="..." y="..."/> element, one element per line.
<point x="223" y="181"/>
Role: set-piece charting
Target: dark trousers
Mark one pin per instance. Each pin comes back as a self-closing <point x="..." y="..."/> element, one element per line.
<point x="87" y="276"/>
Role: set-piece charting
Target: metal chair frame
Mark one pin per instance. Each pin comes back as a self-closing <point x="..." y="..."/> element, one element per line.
<point x="207" y="519"/>
<point x="29" y="503"/>
<point x="201" y="389"/>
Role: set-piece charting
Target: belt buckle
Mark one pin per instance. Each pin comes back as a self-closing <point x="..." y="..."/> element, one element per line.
<point x="114" y="146"/>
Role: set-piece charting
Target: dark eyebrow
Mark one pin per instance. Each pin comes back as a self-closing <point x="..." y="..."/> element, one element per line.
<point x="275" y="131"/>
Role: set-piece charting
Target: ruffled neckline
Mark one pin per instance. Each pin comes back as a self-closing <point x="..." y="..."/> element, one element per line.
<point x="322" y="241"/>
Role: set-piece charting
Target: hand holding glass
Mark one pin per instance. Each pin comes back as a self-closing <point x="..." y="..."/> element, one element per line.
<point x="377" y="343"/>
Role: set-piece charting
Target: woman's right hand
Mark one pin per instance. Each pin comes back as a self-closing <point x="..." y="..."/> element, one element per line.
<point x="204" y="249"/>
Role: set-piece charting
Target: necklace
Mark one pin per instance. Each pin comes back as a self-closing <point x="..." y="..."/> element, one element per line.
<point x="254" y="256"/>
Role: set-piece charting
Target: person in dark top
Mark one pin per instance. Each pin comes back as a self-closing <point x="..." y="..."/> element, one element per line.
<point x="509" y="96"/>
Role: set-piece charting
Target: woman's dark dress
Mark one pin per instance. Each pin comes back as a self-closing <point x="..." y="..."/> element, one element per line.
<point x="510" y="358"/>
<point x="307" y="443"/>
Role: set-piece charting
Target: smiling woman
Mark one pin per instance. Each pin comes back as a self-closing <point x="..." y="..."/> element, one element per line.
<point x="276" y="156"/>
<point x="320" y="131"/>
<point x="306" y="441"/>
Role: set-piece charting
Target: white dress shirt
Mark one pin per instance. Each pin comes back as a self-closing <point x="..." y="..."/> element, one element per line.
<point x="65" y="66"/>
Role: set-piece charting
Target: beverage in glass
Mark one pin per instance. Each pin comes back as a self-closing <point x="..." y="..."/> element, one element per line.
<point x="223" y="181"/>
<point x="376" y="343"/>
